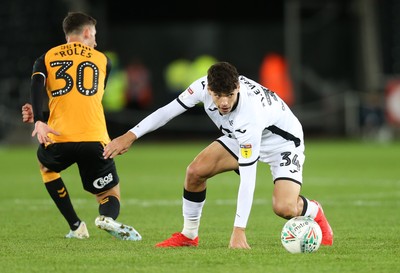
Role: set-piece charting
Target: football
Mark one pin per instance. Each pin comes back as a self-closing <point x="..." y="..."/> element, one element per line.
<point x="301" y="234"/>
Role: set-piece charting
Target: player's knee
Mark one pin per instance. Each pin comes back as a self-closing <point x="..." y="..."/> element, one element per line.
<point x="285" y="209"/>
<point x="192" y="171"/>
<point x="48" y="175"/>
<point x="196" y="172"/>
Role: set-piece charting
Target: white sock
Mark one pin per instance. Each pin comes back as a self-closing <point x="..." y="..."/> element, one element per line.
<point x="191" y="217"/>
<point x="312" y="209"/>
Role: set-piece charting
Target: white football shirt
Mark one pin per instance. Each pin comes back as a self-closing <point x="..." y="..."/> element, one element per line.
<point x="261" y="122"/>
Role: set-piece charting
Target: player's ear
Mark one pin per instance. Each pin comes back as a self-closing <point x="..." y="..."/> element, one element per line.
<point x="86" y="32"/>
<point x="209" y="91"/>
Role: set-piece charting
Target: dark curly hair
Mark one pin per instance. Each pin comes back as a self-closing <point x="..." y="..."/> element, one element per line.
<point x="222" y="78"/>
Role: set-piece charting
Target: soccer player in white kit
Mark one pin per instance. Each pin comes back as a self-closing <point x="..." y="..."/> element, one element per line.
<point x="257" y="125"/>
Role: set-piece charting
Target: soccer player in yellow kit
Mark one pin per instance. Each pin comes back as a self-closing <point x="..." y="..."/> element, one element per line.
<point x="73" y="76"/>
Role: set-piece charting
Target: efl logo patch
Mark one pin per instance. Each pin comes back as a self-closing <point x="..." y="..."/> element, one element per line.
<point x="245" y="150"/>
<point x="186" y="94"/>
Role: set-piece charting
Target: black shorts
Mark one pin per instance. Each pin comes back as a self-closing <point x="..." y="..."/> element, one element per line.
<point x="97" y="174"/>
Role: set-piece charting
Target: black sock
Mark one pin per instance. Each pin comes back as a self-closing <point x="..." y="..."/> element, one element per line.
<point x="305" y="205"/>
<point x="109" y="206"/>
<point x="60" y="196"/>
<point x="195" y="196"/>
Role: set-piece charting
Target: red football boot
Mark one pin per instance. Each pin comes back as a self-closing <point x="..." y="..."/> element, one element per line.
<point x="327" y="233"/>
<point x="178" y="240"/>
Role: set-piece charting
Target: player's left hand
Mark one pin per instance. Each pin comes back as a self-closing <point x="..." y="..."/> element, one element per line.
<point x="238" y="239"/>
<point x="42" y="131"/>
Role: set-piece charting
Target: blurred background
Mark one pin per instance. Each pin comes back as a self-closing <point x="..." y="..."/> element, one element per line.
<point x="336" y="63"/>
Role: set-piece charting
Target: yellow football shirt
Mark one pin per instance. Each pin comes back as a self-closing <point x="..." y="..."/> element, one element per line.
<point x="75" y="81"/>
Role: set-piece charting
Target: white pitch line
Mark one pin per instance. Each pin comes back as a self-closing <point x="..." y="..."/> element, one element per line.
<point x="35" y="204"/>
<point x="134" y="202"/>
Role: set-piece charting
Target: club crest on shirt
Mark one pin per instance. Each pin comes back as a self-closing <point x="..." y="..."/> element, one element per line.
<point x="245" y="150"/>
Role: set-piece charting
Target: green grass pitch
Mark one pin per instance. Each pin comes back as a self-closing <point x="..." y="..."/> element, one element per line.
<point x="358" y="183"/>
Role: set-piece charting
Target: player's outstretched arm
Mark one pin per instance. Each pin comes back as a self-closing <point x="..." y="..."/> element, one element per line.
<point x="119" y="145"/>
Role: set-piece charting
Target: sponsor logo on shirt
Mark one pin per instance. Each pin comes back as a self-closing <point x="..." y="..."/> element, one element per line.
<point x="241" y="131"/>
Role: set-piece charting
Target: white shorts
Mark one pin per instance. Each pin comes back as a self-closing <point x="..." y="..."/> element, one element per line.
<point x="285" y="162"/>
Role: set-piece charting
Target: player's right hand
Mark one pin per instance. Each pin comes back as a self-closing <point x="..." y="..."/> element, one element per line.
<point x="27" y="113"/>
<point x="119" y="145"/>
